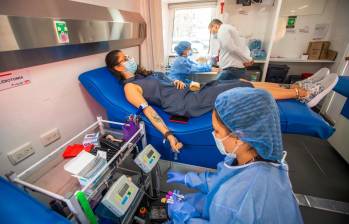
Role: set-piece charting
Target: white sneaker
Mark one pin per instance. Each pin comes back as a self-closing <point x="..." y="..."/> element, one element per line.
<point x="318" y="90"/>
<point x="318" y="76"/>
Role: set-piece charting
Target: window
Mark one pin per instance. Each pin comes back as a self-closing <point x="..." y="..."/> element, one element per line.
<point x="191" y="24"/>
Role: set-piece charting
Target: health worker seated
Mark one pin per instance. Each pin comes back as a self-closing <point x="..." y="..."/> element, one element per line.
<point x="143" y="87"/>
<point x="252" y="184"/>
<point x="183" y="66"/>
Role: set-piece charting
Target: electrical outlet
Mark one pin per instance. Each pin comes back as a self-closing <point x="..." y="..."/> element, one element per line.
<point x="50" y="136"/>
<point x="20" y="153"/>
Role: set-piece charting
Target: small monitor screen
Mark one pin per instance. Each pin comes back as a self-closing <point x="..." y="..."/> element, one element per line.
<point x="123" y="190"/>
<point x="150" y="153"/>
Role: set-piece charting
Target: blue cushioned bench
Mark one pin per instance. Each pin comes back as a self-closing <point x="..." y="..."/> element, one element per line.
<point x="16" y="206"/>
<point x="199" y="147"/>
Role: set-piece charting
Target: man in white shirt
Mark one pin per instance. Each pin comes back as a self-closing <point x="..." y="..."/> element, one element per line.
<point x="234" y="54"/>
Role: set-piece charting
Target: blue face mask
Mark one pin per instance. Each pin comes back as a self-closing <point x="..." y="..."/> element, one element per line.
<point x="131" y="65"/>
<point x="221" y="148"/>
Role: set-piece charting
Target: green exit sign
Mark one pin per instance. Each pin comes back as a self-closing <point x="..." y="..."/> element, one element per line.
<point x="291" y="21"/>
<point x="61" y="32"/>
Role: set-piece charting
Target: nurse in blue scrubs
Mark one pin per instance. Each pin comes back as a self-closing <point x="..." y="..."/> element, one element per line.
<point x="252" y="184"/>
<point x="183" y="66"/>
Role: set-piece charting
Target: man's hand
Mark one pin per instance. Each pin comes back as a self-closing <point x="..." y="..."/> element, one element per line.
<point x="215" y="69"/>
<point x="175" y="144"/>
<point x="248" y="63"/>
<point x="194" y="86"/>
<point x="179" y="84"/>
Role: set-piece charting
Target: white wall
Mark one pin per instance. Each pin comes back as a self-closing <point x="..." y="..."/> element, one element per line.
<point x="251" y="21"/>
<point x="340" y="43"/>
<point x="292" y="45"/>
<point x="127" y="5"/>
<point x="340" y="31"/>
<point x="54" y="99"/>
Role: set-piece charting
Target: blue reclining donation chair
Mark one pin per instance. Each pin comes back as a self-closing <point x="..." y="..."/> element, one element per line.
<point x="199" y="147"/>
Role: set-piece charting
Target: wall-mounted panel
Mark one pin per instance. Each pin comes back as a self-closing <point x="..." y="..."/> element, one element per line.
<point x="28" y="32"/>
<point x="29" y="35"/>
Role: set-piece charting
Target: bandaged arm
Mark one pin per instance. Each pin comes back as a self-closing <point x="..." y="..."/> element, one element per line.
<point x="134" y="95"/>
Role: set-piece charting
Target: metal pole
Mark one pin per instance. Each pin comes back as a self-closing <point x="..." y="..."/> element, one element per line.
<point x="144" y="137"/>
<point x="125" y="146"/>
<point x="75" y="207"/>
<point x="100" y="125"/>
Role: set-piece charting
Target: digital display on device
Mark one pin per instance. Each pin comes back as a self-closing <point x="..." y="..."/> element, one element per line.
<point x="123" y="190"/>
<point x="150" y="153"/>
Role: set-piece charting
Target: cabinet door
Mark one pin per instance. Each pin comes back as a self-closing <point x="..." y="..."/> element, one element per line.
<point x="334" y="103"/>
<point x="339" y="139"/>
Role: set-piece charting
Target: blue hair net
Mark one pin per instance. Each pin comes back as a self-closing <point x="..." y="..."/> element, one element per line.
<point x="182" y="46"/>
<point x="253" y="116"/>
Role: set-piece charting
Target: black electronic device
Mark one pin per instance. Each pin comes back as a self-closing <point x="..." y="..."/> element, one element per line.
<point x="179" y="119"/>
<point x="277" y="73"/>
<point x="244" y="2"/>
<point x="110" y="141"/>
<point x="110" y="144"/>
<point x="158" y="214"/>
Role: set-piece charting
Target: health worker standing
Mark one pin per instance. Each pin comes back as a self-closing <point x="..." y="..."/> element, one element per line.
<point x="234" y="54"/>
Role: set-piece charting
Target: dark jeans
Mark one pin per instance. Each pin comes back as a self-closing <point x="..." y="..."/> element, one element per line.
<point x="232" y="73"/>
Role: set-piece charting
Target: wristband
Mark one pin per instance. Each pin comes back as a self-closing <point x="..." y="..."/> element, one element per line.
<point x="141" y="108"/>
<point x="167" y="133"/>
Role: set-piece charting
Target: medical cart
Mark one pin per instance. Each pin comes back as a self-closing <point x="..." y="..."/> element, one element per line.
<point x="48" y="177"/>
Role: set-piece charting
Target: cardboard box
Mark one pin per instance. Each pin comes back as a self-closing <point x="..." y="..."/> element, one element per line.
<point x="324" y="51"/>
<point x="331" y="55"/>
<point x="318" y="50"/>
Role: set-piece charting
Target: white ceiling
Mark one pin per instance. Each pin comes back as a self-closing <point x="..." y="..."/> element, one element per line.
<point x="185" y="1"/>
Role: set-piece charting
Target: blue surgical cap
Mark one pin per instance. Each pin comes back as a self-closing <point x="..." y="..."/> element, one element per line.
<point x="182" y="46"/>
<point x="253" y="116"/>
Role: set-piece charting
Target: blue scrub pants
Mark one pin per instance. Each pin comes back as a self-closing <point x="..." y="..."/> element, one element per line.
<point x="232" y="73"/>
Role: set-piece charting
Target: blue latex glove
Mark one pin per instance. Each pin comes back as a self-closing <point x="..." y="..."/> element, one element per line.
<point x="181" y="211"/>
<point x="175" y="177"/>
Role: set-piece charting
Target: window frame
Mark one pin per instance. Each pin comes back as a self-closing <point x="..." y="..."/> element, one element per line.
<point x="173" y="7"/>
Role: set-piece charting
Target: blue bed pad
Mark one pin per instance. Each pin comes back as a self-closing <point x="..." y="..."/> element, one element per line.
<point x="199" y="147"/>
<point x="16" y="206"/>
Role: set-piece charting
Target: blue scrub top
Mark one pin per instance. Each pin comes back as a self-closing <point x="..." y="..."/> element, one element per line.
<point x="259" y="192"/>
<point x="183" y="66"/>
